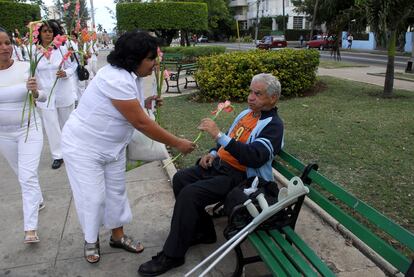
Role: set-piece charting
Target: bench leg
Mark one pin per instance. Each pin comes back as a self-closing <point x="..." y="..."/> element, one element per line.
<point x="241" y="261"/>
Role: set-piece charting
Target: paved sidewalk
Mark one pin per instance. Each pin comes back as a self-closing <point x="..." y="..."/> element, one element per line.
<point x="360" y="74"/>
<point x="60" y="251"/>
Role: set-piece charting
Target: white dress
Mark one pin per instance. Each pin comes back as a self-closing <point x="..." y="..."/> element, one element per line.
<point x="56" y="111"/>
<point x="93" y="144"/>
<point x="23" y="156"/>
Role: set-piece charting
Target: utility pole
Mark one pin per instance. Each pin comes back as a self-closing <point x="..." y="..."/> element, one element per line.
<point x="92" y="15"/>
<point x="283" y="14"/>
<point x="257" y="21"/>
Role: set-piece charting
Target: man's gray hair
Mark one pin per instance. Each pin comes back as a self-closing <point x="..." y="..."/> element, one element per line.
<point x="273" y="84"/>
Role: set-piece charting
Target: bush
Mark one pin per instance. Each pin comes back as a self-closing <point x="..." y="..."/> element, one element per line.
<point x="162" y="15"/>
<point x="17" y="15"/>
<point x="228" y="76"/>
<point x="192" y="53"/>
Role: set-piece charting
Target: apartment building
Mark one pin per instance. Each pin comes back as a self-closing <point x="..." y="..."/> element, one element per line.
<point x="247" y="12"/>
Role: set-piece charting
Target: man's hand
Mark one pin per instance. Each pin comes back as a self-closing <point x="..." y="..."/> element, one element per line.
<point x="61" y="74"/>
<point x="209" y="126"/>
<point x="206" y="161"/>
<point x="158" y="101"/>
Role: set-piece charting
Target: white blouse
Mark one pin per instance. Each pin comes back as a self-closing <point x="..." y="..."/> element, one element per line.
<point x="62" y="95"/>
<point x="96" y="124"/>
<point x="13" y="95"/>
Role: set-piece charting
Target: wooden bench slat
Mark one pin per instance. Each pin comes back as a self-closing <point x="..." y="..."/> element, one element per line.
<point x="376" y="243"/>
<point x="277" y="253"/>
<point x="396" y="231"/>
<point x="267" y="256"/>
<point x="294" y="256"/>
<point x="322" y="268"/>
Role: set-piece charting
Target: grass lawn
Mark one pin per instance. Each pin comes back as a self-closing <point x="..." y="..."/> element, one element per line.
<point x="340" y="64"/>
<point x="358" y="139"/>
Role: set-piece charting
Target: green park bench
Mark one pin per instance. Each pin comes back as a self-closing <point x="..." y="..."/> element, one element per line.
<point x="286" y="254"/>
<point x="178" y="71"/>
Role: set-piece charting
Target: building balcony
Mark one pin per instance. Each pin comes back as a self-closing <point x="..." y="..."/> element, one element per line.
<point x="240" y="17"/>
<point x="238" y="3"/>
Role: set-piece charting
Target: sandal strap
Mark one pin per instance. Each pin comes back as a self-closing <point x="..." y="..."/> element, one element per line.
<point x="92" y="249"/>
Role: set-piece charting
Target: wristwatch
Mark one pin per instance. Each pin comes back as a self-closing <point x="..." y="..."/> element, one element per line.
<point x="219" y="135"/>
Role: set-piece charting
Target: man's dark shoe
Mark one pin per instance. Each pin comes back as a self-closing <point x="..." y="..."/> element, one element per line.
<point x="201" y="238"/>
<point x="57" y="163"/>
<point x="159" y="265"/>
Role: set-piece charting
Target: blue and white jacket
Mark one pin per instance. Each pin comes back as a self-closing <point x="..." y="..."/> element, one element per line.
<point x="264" y="142"/>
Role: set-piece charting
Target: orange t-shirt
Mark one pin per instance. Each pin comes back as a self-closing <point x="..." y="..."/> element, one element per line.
<point x="240" y="132"/>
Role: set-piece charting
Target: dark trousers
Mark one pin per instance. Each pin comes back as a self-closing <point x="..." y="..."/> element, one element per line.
<point x="194" y="189"/>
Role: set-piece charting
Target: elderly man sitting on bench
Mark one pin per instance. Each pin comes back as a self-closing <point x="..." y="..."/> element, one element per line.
<point x="247" y="150"/>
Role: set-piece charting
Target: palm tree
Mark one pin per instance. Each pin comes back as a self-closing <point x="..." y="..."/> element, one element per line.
<point x="385" y="17"/>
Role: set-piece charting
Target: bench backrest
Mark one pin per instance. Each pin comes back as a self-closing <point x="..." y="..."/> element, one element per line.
<point x="324" y="189"/>
<point x="176" y="57"/>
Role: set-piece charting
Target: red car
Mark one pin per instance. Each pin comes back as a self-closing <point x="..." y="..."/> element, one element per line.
<point x="274" y="41"/>
<point x="320" y="42"/>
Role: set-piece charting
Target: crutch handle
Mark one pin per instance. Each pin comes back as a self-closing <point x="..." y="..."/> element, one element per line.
<point x="251" y="208"/>
<point x="262" y="201"/>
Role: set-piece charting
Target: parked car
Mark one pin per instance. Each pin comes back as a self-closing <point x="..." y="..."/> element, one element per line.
<point x="321" y="42"/>
<point x="273" y="41"/>
<point x="203" y="38"/>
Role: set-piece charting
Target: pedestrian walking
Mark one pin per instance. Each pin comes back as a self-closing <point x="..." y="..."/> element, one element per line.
<point x="23" y="155"/>
<point x="350" y="39"/>
<point x="55" y="112"/>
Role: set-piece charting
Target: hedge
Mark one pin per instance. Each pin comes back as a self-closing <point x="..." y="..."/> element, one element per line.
<point x="192" y="53"/>
<point x="228" y="76"/>
<point x="162" y="15"/>
<point x="17" y="15"/>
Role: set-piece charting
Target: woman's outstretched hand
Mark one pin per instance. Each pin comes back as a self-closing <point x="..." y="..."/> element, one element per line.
<point x="185" y="146"/>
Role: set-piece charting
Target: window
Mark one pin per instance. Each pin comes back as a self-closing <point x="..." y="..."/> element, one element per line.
<point x="298" y="22"/>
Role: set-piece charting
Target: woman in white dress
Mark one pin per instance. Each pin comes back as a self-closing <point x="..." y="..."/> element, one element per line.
<point x="96" y="135"/>
<point x="56" y="111"/>
<point x="23" y="156"/>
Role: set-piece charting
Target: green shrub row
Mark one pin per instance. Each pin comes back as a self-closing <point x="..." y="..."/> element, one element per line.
<point x="192" y="53"/>
<point x="162" y="15"/>
<point x="17" y="15"/>
<point x="228" y="76"/>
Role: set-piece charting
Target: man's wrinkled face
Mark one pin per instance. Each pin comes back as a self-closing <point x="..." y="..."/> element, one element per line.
<point x="259" y="99"/>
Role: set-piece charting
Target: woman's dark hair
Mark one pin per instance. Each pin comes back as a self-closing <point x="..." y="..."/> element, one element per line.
<point x="52" y="24"/>
<point x="131" y="49"/>
<point x="2" y="30"/>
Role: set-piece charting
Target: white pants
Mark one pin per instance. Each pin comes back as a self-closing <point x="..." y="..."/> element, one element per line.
<point x="98" y="186"/>
<point x="53" y="121"/>
<point x="24" y="159"/>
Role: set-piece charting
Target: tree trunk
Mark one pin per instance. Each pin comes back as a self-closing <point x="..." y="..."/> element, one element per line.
<point x="315" y="9"/>
<point x="389" y="75"/>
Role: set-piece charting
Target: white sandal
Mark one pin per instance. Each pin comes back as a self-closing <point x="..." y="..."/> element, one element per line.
<point x="31" y="238"/>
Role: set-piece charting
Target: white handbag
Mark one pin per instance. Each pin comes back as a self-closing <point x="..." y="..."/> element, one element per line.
<point x="143" y="148"/>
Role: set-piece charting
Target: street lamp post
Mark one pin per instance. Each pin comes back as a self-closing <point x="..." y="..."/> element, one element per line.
<point x="257" y="21"/>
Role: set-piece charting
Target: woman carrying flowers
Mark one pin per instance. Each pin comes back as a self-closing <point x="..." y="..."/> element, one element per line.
<point x="21" y="152"/>
<point x="96" y="135"/>
<point x="53" y="73"/>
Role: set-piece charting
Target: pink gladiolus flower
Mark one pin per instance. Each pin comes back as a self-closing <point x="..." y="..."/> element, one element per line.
<point x="66" y="6"/>
<point x="59" y="40"/>
<point x="166" y="74"/>
<point x="159" y="54"/>
<point x="224" y="106"/>
<point x="78" y="26"/>
<point x="77" y="7"/>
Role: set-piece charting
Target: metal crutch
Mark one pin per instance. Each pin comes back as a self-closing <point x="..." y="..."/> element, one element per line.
<point x="287" y="196"/>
